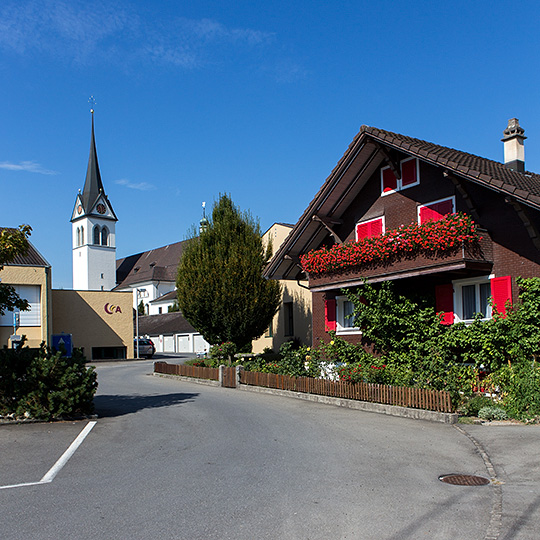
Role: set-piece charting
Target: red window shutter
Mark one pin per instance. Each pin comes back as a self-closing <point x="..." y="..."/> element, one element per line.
<point x="501" y="292"/>
<point x="408" y="172"/>
<point x="389" y="180"/>
<point x="444" y="301"/>
<point x="427" y="214"/>
<point x="369" y="229"/>
<point x="330" y="315"/>
<point x="362" y="231"/>
<point x="435" y="211"/>
<point x="375" y="227"/>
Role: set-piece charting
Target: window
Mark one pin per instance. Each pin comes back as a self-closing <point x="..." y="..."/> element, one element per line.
<point x="97" y="239"/>
<point x="31" y="293"/>
<point x="289" y="319"/>
<point x="78" y="236"/>
<point x="464" y="299"/>
<point x="367" y="229"/>
<point x="270" y="330"/>
<point x="344" y="316"/>
<point x="409" y="176"/>
<point x="82" y="236"/>
<point x="435" y="210"/>
<point x="104" y="236"/>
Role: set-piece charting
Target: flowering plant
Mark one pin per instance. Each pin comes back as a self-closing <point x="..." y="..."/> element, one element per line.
<point x="223" y="351"/>
<point x="450" y="232"/>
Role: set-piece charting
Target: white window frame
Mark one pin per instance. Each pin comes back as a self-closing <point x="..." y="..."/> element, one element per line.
<point x="458" y="285"/>
<point x="452" y="198"/>
<point x="369" y="221"/>
<point x="341" y="329"/>
<point x="32" y="317"/>
<point x="399" y="186"/>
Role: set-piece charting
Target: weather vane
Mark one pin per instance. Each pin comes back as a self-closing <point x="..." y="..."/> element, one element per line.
<point x="92" y="102"/>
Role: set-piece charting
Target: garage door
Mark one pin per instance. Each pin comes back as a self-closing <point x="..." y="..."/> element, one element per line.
<point x="200" y="344"/>
<point x="168" y="344"/>
<point x="183" y="344"/>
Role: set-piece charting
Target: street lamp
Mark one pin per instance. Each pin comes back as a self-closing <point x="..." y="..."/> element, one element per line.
<point x="139" y="293"/>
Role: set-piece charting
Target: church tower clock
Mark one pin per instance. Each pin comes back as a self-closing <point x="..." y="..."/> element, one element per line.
<point x="93" y="224"/>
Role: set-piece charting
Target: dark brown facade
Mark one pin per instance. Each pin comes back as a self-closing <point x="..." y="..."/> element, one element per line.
<point x="505" y="204"/>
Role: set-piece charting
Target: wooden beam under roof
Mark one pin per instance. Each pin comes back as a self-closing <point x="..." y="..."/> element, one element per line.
<point x="392" y="163"/>
<point x="327" y="224"/>
<point x="464" y="194"/>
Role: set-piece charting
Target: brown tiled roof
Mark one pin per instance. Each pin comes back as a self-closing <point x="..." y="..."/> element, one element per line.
<point x="525" y="185"/>
<point x="165" y="323"/>
<point x="158" y="264"/>
<point x="362" y="157"/>
<point x="32" y="258"/>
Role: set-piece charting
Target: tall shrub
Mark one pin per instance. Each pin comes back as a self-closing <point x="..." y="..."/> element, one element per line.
<point x="221" y="289"/>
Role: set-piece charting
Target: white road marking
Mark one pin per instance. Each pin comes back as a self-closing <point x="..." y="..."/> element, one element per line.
<point x="57" y="467"/>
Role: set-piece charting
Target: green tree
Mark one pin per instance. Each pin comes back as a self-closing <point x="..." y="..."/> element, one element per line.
<point x="221" y="289"/>
<point x="13" y="242"/>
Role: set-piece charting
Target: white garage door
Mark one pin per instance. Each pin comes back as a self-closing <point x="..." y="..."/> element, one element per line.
<point x="183" y="344"/>
<point x="200" y="344"/>
<point x="168" y="343"/>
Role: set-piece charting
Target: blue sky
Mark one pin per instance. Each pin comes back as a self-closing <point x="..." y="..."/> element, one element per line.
<point x="256" y="100"/>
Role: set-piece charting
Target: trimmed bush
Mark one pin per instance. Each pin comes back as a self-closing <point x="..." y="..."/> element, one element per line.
<point x="36" y="383"/>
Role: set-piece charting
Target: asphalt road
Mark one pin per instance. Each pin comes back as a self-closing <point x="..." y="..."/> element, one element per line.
<point x="174" y="460"/>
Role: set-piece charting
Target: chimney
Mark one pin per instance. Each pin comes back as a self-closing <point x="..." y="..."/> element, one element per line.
<point x="514" y="150"/>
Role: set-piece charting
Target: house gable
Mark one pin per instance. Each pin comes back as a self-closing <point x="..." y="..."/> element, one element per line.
<point x="355" y="202"/>
<point x="353" y="192"/>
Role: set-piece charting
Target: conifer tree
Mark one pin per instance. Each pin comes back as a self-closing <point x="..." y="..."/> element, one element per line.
<point x="221" y="289"/>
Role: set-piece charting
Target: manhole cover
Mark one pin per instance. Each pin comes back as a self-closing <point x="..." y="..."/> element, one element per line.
<point x="464" y="480"/>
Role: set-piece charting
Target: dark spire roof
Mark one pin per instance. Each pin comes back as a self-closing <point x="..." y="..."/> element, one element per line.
<point x="93" y="185"/>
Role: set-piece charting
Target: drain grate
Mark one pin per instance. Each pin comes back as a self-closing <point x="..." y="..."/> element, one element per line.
<point x="464" y="480"/>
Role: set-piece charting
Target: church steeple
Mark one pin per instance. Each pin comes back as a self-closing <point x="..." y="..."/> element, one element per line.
<point x="93" y="189"/>
<point x="93" y="185"/>
<point x="93" y="231"/>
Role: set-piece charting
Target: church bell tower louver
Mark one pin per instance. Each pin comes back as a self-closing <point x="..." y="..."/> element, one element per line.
<point x="93" y="223"/>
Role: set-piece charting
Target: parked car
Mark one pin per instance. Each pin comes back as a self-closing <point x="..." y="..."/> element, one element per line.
<point x="146" y="347"/>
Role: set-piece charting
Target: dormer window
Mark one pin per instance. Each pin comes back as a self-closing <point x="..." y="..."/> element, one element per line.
<point x="436" y="210"/>
<point x="409" y="176"/>
<point x="369" y="228"/>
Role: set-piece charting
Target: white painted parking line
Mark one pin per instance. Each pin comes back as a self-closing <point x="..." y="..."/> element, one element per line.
<point x="57" y="467"/>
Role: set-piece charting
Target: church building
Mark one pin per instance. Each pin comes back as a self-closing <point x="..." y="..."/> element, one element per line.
<point x="93" y="231"/>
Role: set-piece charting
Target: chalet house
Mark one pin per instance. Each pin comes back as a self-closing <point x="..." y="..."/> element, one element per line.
<point x="389" y="188"/>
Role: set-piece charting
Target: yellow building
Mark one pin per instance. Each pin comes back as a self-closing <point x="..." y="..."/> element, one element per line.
<point x="293" y="320"/>
<point x="100" y="322"/>
<point x="30" y="275"/>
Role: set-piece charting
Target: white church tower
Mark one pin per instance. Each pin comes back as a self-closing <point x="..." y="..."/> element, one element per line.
<point x="93" y="224"/>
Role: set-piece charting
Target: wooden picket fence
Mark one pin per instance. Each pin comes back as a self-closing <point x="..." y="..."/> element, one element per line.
<point x="187" y="371"/>
<point x="416" y="398"/>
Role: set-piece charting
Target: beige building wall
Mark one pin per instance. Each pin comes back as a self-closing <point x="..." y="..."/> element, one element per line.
<point x="293" y="320"/>
<point x="30" y="275"/>
<point x="94" y="318"/>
